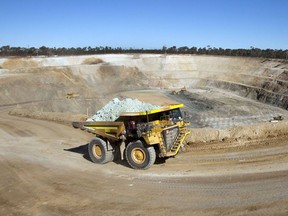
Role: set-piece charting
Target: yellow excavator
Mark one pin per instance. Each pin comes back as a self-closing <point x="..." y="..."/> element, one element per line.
<point x="71" y="95"/>
<point x="177" y="92"/>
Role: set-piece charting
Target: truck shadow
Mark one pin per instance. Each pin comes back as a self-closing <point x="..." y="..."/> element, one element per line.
<point x="83" y="149"/>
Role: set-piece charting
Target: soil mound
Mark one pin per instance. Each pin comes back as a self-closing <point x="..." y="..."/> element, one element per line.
<point x="19" y="63"/>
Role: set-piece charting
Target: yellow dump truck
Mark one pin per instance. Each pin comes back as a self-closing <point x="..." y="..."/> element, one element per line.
<point x="139" y="137"/>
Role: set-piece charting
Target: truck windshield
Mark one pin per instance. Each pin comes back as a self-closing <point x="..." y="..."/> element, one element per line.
<point x="176" y="114"/>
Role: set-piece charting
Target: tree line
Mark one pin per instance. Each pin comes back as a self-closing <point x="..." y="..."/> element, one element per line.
<point x="48" y="51"/>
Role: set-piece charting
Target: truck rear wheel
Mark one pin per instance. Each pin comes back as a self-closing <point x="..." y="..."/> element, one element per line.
<point x="99" y="151"/>
<point x="138" y="156"/>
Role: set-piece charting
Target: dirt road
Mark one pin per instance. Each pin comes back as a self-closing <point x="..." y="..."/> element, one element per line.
<point x="45" y="171"/>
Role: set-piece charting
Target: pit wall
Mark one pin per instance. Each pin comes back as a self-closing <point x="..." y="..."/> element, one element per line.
<point x="260" y="79"/>
<point x="98" y="76"/>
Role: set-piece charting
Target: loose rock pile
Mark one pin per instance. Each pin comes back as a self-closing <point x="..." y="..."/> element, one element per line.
<point x="112" y="110"/>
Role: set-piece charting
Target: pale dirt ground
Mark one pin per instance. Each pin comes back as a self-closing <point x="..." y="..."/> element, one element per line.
<point x="45" y="169"/>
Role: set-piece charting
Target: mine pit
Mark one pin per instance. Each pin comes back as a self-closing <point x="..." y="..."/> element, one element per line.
<point x="220" y="92"/>
<point x="237" y="108"/>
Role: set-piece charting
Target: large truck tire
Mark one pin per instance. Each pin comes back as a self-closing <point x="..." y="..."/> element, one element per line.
<point x="100" y="152"/>
<point x="138" y="156"/>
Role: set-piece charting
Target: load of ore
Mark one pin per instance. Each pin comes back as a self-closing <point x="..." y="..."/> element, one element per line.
<point x="112" y="110"/>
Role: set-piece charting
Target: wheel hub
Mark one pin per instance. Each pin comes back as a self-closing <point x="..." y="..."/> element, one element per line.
<point x="138" y="155"/>
<point x="97" y="151"/>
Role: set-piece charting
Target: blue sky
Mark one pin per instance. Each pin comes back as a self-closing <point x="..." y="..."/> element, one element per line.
<point x="145" y="23"/>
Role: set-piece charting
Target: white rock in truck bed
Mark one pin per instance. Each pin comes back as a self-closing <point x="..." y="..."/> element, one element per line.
<point x="112" y="110"/>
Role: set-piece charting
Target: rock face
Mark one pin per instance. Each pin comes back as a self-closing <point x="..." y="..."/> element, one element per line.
<point x="112" y="110"/>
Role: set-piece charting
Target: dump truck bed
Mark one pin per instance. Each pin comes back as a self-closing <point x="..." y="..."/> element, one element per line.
<point x="111" y="130"/>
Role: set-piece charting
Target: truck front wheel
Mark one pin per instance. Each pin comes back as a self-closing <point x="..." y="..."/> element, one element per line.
<point x="99" y="151"/>
<point x="138" y="156"/>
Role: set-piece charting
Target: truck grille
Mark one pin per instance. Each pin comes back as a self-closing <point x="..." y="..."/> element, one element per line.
<point x="170" y="136"/>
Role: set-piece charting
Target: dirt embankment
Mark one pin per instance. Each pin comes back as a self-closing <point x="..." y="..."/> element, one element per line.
<point x="239" y="134"/>
<point x="19" y="63"/>
<point x="92" y="60"/>
<point x="64" y="118"/>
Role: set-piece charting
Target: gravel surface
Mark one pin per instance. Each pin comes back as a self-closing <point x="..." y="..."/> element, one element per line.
<point x="112" y="110"/>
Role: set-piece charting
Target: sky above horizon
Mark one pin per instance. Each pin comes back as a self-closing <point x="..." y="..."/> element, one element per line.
<point x="145" y="23"/>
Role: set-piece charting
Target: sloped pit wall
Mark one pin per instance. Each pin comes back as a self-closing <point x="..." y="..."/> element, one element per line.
<point x="267" y="83"/>
<point x="44" y="79"/>
<point x="259" y="79"/>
